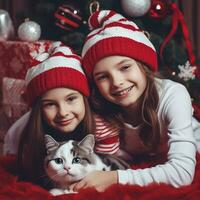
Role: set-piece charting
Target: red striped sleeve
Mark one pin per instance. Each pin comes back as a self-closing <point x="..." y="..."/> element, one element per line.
<point x="106" y="136"/>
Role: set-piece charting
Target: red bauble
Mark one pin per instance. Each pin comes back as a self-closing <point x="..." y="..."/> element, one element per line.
<point x="197" y="72"/>
<point x="159" y="9"/>
<point x="196" y="110"/>
<point x="68" y="17"/>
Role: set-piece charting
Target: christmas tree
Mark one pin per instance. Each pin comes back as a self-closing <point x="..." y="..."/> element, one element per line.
<point x="162" y="20"/>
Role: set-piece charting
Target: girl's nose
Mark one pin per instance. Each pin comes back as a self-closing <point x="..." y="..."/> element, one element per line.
<point x="117" y="81"/>
<point x="63" y="110"/>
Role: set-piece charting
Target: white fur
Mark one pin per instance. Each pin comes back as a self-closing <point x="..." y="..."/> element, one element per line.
<point x="63" y="177"/>
<point x="57" y="191"/>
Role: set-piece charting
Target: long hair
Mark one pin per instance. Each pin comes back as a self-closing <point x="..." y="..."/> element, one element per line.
<point x="31" y="151"/>
<point x="150" y="133"/>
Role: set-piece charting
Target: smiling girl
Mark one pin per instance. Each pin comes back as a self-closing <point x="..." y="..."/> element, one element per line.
<point x="155" y="114"/>
<point x="57" y="91"/>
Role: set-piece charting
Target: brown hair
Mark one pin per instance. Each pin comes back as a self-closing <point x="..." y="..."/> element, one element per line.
<point x="150" y="133"/>
<point x="31" y="151"/>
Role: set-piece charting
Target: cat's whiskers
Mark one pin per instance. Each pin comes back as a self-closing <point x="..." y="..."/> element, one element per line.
<point x="60" y="172"/>
<point x="82" y="158"/>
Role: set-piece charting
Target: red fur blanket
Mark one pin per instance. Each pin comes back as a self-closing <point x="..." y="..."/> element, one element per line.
<point x="11" y="188"/>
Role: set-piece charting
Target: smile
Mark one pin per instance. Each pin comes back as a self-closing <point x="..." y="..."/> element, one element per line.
<point x="65" y="122"/>
<point x="123" y="92"/>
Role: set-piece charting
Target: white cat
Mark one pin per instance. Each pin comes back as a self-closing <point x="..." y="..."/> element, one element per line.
<point x="68" y="162"/>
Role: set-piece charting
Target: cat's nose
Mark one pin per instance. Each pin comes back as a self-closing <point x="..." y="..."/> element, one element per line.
<point x="67" y="168"/>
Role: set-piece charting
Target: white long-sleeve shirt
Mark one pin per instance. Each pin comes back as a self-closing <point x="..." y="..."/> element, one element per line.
<point x="177" y="123"/>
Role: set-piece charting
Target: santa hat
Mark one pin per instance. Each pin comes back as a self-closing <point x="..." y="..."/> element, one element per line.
<point x="113" y="34"/>
<point x="59" y="67"/>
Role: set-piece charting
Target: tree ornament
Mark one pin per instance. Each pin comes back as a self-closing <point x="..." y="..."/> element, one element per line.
<point x="196" y="113"/>
<point x="94" y="6"/>
<point x="68" y="17"/>
<point x="197" y="72"/>
<point x="159" y="9"/>
<point x="135" y="8"/>
<point x="29" y="31"/>
<point x="187" y="72"/>
<point x="6" y="26"/>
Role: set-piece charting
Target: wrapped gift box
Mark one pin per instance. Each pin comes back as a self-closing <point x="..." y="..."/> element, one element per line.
<point x="16" y="56"/>
<point x="13" y="101"/>
<point x="13" y="104"/>
<point x="15" y="59"/>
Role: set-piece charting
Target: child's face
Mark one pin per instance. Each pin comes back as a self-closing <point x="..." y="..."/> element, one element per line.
<point x="63" y="109"/>
<point x="120" y="80"/>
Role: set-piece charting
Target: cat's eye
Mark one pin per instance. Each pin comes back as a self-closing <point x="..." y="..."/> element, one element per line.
<point x="76" y="160"/>
<point x="58" y="161"/>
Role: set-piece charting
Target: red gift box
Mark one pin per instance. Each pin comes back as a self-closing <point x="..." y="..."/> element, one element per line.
<point x="16" y="56"/>
<point x="15" y="59"/>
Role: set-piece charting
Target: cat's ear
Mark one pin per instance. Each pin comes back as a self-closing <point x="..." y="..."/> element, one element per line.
<point x="50" y="143"/>
<point x="87" y="143"/>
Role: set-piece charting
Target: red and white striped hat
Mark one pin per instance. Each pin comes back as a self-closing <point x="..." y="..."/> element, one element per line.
<point x="60" y="67"/>
<point x="113" y="34"/>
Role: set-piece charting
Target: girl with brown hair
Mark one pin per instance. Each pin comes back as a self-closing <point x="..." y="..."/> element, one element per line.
<point x="153" y="113"/>
<point x="57" y="91"/>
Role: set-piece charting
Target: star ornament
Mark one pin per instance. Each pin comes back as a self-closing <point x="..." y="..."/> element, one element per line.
<point x="187" y="72"/>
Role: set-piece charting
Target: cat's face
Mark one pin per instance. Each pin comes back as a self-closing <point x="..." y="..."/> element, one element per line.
<point x="69" y="162"/>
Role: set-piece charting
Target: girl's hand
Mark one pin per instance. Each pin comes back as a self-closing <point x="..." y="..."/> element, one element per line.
<point x="100" y="180"/>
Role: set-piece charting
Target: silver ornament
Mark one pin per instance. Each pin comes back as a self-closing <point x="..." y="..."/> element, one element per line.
<point x="6" y="26"/>
<point x="29" y="31"/>
<point x="136" y="8"/>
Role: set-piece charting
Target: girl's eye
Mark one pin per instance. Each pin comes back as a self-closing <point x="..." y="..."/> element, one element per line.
<point x="76" y="160"/>
<point x="124" y="68"/>
<point x="72" y="98"/>
<point x="47" y="105"/>
<point x="101" y="77"/>
<point x="59" y="161"/>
